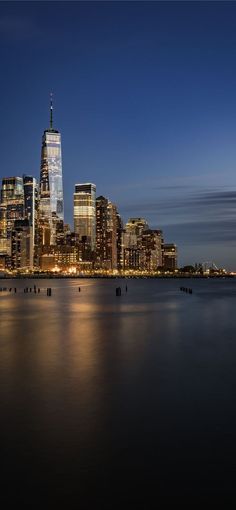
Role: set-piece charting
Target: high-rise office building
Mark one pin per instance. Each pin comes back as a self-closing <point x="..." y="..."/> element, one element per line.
<point x="31" y="210"/>
<point x="11" y="209"/>
<point x="120" y="242"/>
<point x="151" y="248"/>
<point x="112" y="234"/>
<point x="85" y="213"/>
<point x="106" y="233"/>
<point x="12" y="190"/>
<point x="22" y="248"/>
<point x="142" y="247"/>
<point x="101" y="229"/>
<point x="4" y="244"/>
<point x="133" y="229"/>
<point x="51" y="187"/>
<point x="30" y="198"/>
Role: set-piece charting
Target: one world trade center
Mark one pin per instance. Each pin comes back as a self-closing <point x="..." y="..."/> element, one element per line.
<point x="51" y="186"/>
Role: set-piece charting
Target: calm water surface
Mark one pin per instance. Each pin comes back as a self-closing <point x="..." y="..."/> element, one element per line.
<point x="106" y="399"/>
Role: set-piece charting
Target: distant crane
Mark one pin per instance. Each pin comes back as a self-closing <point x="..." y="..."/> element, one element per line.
<point x="209" y="265"/>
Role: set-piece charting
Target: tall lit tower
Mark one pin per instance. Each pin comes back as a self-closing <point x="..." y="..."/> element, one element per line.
<point x="85" y="213"/>
<point x="51" y="204"/>
<point x="11" y="209"/>
<point x="31" y="211"/>
<point x="106" y="233"/>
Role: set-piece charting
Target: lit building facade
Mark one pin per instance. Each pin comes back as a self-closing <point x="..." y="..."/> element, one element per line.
<point x="101" y="230"/>
<point x="106" y="234"/>
<point x="4" y="243"/>
<point x="62" y="257"/>
<point x="51" y="186"/>
<point x="133" y="230"/>
<point x="85" y="213"/>
<point x="131" y="259"/>
<point x="22" y="248"/>
<point x="31" y="210"/>
<point x="141" y="248"/>
<point x="120" y="240"/>
<point x="136" y="226"/>
<point x="11" y="209"/>
<point x="170" y="256"/>
<point x="30" y="198"/>
<point x="112" y="235"/>
<point x="151" y="248"/>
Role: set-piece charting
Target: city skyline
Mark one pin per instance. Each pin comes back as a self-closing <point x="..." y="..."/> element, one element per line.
<point x="146" y="117"/>
<point x="35" y="238"/>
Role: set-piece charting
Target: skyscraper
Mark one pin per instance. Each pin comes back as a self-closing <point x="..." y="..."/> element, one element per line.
<point x="12" y="190"/>
<point x="106" y="233"/>
<point x="101" y="230"/>
<point x="120" y="241"/>
<point x="133" y="230"/>
<point x="151" y="246"/>
<point x="11" y="209"/>
<point x="85" y="213"/>
<point x="31" y="210"/>
<point x="22" y="248"/>
<point x="51" y="187"/>
<point x="30" y="198"/>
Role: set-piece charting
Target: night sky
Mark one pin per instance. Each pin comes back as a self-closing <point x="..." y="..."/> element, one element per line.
<point x="145" y="100"/>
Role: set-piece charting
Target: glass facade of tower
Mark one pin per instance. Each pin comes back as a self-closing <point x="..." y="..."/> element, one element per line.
<point x="11" y="209"/>
<point x="12" y="190"/>
<point x="30" y="198"/>
<point x="51" y="187"/>
<point x="85" y="212"/>
<point x="106" y="233"/>
<point x="31" y="210"/>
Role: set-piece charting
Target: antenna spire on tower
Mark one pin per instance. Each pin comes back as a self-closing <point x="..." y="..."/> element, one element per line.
<point x="51" y="110"/>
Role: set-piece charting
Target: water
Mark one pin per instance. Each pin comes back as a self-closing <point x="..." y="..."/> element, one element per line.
<point x="107" y="399"/>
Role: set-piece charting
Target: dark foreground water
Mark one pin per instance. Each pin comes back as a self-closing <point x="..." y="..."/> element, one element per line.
<point x="109" y="400"/>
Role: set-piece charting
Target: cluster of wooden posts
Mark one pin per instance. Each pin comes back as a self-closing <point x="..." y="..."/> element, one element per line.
<point x="32" y="289"/>
<point x="186" y="289"/>
<point x="36" y="290"/>
<point x="26" y="290"/>
<point x="5" y="289"/>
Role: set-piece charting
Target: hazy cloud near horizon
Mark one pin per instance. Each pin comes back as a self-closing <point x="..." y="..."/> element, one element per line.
<point x="193" y="204"/>
<point x="201" y="218"/>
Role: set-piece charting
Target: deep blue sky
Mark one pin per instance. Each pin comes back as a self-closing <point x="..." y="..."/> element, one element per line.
<point x="145" y="99"/>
